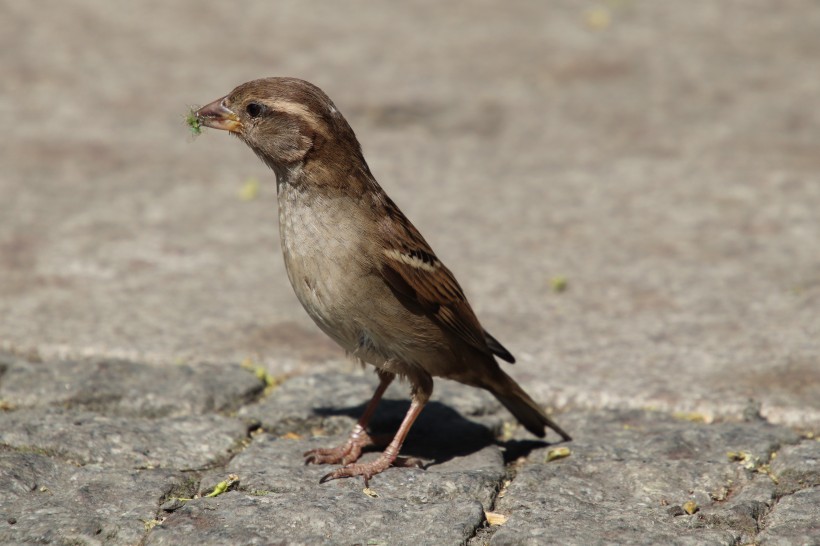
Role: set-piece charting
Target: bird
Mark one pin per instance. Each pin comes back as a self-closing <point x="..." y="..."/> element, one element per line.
<point x="360" y="268"/>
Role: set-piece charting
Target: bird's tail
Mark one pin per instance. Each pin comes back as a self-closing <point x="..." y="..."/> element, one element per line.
<point x="524" y="408"/>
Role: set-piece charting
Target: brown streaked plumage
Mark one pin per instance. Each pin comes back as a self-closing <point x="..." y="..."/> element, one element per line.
<point x="361" y="270"/>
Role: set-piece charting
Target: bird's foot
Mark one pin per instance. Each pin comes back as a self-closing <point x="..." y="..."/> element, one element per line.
<point x="344" y="454"/>
<point x="370" y="469"/>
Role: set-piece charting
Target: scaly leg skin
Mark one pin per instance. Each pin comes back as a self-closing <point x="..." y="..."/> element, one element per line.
<point x="359" y="438"/>
<point x="390" y="455"/>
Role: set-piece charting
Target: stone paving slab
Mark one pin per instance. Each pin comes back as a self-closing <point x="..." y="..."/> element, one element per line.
<point x="82" y="476"/>
<point x="794" y="521"/>
<point x="332" y="519"/>
<point x="630" y="475"/>
<point x="185" y="443"/>
<point x="128" y="389"/>
<point x="47" y="501"/>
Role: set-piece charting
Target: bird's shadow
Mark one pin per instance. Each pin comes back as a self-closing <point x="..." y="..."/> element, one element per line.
<point x="439" y="434"/>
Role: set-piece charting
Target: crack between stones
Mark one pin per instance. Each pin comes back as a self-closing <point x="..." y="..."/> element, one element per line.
<point x="196" y="482"/>
<point x="483" y="533"/>
<point x="173" y="491"/>
<point x="749" y="536"/>
<point x="777" y="497"/>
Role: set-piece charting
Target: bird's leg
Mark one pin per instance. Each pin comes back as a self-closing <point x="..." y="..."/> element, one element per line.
<point x="351" y="450"/>
<point x="420" y="395"/>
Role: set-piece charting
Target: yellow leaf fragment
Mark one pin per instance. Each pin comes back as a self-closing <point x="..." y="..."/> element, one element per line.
<point x="557" y="453"/>
<point x="370" y="493"/>
<point x="749" y="461"/>
<point x="224" y="486"/>
<point x="559" y="284"/>
<point x="262" y="374"/>
<point x="249" y="190"/>
<point x="690" y="507"/>
<point x="753" y="463"/>
<point x="151" y="523"/>
<point x="494" y="518"/>
<point x="766" y="469"/>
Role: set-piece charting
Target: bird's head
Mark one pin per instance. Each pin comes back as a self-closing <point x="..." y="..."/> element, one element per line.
<point x="283" y="120"/>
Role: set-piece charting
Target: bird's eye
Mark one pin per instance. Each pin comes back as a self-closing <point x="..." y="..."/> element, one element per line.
<point x="254" y="109"/>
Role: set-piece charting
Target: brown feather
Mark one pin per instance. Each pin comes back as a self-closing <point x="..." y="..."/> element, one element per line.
<point x="414" y="272"/>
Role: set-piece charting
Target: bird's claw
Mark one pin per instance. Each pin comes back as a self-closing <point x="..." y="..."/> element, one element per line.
<point x="365" y="470"/>
<point x="346" y="454"/>
<point x="370" y="469"/>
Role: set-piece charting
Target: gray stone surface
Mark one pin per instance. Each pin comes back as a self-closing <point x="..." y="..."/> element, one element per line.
<point x="124" y="388"/>
<point x="630" y="475"/>
<point x="187" y="443"/>
<point x="795" y="520"/>
<point x="88" y="474"/>
<point x="46" y="501"/>
<point x="338" y="518"/>
<point x="659" y="156"/>
<point x="798" y="467"/>
<point x="89" y="450"/>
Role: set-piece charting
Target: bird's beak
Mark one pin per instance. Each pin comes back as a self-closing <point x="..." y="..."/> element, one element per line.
<point x="218" y="116"/>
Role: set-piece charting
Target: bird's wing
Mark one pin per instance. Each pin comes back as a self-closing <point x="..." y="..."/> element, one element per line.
<point x="422" y="282"/>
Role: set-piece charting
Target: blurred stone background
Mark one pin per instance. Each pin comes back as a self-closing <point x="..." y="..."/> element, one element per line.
<point x="660" y="158"/>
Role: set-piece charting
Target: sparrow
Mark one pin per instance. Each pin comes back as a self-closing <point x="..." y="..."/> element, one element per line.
<point x="360" y="268"/>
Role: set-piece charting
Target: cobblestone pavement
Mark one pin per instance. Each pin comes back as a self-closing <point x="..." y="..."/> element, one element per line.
<point x="628" y="191"/>
<point x="91" y="453"/>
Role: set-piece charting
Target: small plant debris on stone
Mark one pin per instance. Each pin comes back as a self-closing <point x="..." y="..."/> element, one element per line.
<point x="224" y="486"/>
<point x="557" y="453"/>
